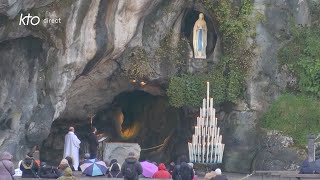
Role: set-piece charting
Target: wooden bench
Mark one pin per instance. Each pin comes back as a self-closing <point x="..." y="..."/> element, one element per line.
<point x="288" y="174"/>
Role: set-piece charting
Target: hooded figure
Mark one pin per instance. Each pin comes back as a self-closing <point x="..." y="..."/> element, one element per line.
<point x="70" y="162"/>
<point x="114" y="171"/>
<point x="29" y="167"/>
<point x="162" y="172"/>
<point x="6" y="166"/>
<point x="67" y="175"/>
<point x="131" y="168"/>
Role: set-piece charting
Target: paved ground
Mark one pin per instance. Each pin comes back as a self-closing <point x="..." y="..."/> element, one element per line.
<point x="231" y="176"/>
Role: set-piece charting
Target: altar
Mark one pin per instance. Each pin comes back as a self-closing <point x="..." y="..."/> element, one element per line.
<point x="119" y="151"/>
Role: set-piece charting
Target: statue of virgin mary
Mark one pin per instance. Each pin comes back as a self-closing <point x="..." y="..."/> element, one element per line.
<point x="200" y="38"/>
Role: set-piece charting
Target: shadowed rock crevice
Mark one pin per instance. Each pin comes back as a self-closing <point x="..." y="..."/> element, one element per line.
<point x="101" y="37"/>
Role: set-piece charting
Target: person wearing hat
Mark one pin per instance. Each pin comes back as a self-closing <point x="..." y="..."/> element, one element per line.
<point x="71" y="147"/>
<point x="131" y="168"/>
<point x="29" y="167"/>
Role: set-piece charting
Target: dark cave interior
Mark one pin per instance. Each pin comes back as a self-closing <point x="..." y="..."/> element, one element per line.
<point x="134" y="117"/>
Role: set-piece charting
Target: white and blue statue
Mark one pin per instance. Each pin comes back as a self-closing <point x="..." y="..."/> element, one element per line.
<point x="200" y="38"/>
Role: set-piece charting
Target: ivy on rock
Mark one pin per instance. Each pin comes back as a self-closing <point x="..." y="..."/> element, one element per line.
<point x="236" y="25"/>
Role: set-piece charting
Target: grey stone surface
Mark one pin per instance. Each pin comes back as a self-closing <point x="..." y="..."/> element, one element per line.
<point x="68" y="70"/>
<point x="120" y="151"/>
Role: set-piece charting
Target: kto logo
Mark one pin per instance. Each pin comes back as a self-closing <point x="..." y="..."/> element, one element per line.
<point x="25" y="20"/>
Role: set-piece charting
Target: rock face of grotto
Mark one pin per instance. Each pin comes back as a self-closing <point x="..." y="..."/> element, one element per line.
<point x="56" y="75"/>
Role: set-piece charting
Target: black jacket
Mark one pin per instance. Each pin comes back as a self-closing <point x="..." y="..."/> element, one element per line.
<point x="49" y="172"/>
<point x="179" y="175"/>
<point x="93" y="143"/>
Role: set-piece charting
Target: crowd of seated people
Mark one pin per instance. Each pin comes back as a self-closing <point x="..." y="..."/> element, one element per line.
<point x="30" y="168"/>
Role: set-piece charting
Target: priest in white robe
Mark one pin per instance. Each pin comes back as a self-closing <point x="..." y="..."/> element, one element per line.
<point x="71" y="147"/>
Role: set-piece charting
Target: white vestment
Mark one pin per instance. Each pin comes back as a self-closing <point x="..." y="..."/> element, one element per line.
<point x="71" y="148"/>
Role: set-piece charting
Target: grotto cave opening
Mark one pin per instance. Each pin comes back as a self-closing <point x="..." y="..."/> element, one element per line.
<point x="133" y="117"/>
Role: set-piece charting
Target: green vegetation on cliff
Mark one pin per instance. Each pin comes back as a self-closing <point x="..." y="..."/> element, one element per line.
<point x="236" y="25"/>
<point x="299" y="115"/>
<point x="302" y="57"/>
<point x="295" y="116"/>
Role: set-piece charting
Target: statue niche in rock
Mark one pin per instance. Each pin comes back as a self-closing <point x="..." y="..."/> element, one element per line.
<point x="200" y="38"/>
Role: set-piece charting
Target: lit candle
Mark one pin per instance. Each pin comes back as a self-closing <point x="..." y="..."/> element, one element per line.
<point x="211" y="148"/>
<point x="215" y="153"/>
<point x="203" y="151"/>
<point x="204" y="108"/>
<point x="190" y="151"/>
<point x="211" y="111"/>
<point x="222" y="152"/>
<point x="195" y="152"/>
<point x="207" y="158"/>
<point x="208" y="94"/>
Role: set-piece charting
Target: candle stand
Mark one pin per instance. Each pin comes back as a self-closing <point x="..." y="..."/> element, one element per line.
<point x="206" y="146"/>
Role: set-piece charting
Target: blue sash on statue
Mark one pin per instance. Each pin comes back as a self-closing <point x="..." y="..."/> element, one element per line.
<point x="200" y="40"/>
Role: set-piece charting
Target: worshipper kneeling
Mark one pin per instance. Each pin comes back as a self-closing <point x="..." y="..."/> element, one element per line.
<point x="162" y="172"/>
<point x="67" y="175"/>
<point x="114" y="170"/>
<point x="63" y="166"/>
<point x="47" y="171"/>
<point x="29" y="167"/>
<point x="6" y="166"/>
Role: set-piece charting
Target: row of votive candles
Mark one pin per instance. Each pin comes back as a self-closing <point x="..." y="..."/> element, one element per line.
<point x="206" y="131"/>
<point x="209" y="153"/>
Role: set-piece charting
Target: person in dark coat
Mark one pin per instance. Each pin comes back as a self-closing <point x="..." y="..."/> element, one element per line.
<point x="162" y="172"/>
<point x="306" y="168"/>
<point x="47" y="171"/>
<point x="171" y="167"/>
<point x="6" y="166"/>
<point x="182" y="170"/>
<point x="114" y="170"/>
<point x="29" y="167"/>
<point x="131" y="168"/>
<point x="93" y="143"/>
